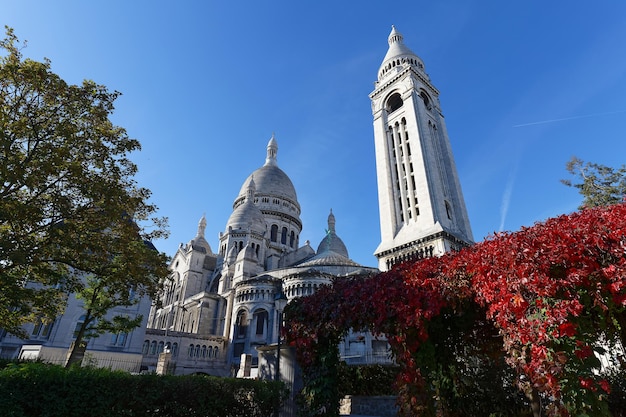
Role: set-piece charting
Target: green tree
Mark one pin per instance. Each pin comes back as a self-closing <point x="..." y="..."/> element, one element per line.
<point x="599" y="185"/>
<point x="72" y="218"/>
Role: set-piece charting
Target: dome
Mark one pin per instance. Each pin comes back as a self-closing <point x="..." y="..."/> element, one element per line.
<point x="270" y="180"/>
<point x="398" y="53"/>
<point x="247" y="215"/>
<point x="199" y="242"/>
<point x="328" y="259"/>
<point x="332" y="242"/>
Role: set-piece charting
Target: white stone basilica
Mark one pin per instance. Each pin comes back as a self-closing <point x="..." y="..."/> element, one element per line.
<point x="218" y="306"/>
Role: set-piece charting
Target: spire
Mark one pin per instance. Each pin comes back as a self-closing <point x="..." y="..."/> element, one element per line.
<point x="272" y="150"/>
<point x="251" y="190"/>
<point x="394" y="36"/>
<point x="398" y="55"/>
<point x="331" y="222"/>
<point x="201" y="226"/>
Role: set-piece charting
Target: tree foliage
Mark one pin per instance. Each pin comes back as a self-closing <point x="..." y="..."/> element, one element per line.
<point x="599" y="185"/>
<point x="72" y="218"/>
<point x="546" y="300"/>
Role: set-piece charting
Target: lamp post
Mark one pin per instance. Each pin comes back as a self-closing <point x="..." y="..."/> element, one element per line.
<point x="280" y="301"/>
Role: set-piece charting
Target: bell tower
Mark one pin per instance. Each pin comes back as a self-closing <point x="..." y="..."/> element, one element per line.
<point x="421" y="205"/>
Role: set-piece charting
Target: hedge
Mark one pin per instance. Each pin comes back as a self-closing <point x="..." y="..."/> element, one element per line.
<point x="37" y="389"/>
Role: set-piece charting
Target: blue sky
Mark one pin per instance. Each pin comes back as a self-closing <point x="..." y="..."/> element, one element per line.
<point x="524" y="86"/>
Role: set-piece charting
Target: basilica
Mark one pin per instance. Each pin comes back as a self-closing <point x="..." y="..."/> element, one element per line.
<point x="218" y="306"/>
<point x="218" y="309"/>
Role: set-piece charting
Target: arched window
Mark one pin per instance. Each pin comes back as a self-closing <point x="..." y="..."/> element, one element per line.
<point x="241" y="326"/>
<point x="260" y="318"/>
<point x="153" y="347"/>
<point x="161" y="346"/>
<point x="190" y="352"/>
<point x="203" y="351"/>
<point x="394" y="102"/>
<point x="426" y="99"/>
<point x="215" y="352"/>
<point x="196" y="351"/>
<point x="292" y="238"/>
<point x="448" y="210"/>
<point x="145" y="347"/>
<point x="210" y="352"/>
<point x="174" y="349"/>
<point x="274" y="233"/>
<point x="283" y="236"/>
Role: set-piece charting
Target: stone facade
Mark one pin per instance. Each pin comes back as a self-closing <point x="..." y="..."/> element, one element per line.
<point x="50" y="341"/>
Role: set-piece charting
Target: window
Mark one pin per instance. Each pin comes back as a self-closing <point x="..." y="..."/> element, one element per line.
<point x="174" y="349"/>
<point x="42" y="328"/>
<point x="274" y="233"/>
<point x="119" y="339"/>
<point x="190" y="351"/>
<point x="145" y="347"/>
<point x="241" y="324"/>
<point x="161" y="347"/>
<point x="260" y="318"/>
<point x="424" y="97"/>
<point x="394" y="102"/>
<point x="238" y="350"/>
<point x="283" y="236"/>
<point x="153" y="347"/>
<point x="292" y="238"/>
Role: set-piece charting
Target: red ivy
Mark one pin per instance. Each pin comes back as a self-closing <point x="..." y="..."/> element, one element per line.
<point x="536" y="285"/>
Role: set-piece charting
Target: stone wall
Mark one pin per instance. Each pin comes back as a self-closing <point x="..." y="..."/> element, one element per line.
<point x="378" y="406"/>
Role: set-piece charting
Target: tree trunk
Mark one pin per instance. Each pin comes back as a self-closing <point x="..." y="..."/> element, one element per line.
<point x="535" y="403"/>
<point x="76" y="353"/>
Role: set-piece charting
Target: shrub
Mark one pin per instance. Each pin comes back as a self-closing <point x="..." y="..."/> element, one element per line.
<point x="36" y="389"/>
<point x="367" y="379"/>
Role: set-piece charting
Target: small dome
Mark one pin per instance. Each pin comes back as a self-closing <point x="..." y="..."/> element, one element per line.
<point x="332" y="242"/>
<point x="328" y="258"/>
<point x="199" y="242"/>
<point x="247" y="215"/>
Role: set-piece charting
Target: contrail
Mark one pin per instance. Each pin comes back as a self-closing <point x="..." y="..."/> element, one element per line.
<point x="506" y="199"/>
<point x="569" y="118"/>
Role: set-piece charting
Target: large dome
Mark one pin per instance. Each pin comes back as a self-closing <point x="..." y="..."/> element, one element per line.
<point x="269" y="179"/>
